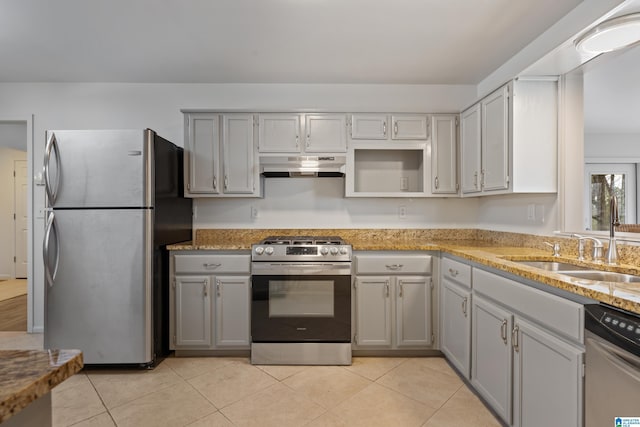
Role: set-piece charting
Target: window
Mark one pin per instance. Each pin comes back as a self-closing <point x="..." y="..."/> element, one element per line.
<point x="604" y="180"/>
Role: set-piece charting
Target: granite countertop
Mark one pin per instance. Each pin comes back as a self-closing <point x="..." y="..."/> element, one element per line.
<point x="493" y="249"/>
<point x="26" y="375"/>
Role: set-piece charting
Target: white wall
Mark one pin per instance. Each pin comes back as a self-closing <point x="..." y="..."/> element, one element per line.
<point x="510" y="213"/>
<point x="613" y="147"/>
<point x="7" y="232"/>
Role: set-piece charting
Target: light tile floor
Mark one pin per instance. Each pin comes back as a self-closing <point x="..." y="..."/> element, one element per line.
<point x="199" y="392"/>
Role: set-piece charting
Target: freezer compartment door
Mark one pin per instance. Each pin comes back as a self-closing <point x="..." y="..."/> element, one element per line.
<point x="100" y="299"/>
<point x="98" y="168"/>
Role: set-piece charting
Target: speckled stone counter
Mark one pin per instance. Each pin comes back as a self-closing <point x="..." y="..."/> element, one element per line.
<point x="27" y="375"/>
<point x="494" y="249"/>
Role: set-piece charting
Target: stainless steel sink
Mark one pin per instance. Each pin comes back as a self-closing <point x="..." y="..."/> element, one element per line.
<point x="553" y="266"/>
<point x="580" y="272"/>
<point x="603" y="276"/>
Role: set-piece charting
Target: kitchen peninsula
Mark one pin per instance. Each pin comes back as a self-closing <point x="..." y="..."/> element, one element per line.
<point x="26" y="380"/>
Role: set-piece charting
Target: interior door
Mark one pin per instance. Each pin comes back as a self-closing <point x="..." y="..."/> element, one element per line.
<point x="20" y="223"/>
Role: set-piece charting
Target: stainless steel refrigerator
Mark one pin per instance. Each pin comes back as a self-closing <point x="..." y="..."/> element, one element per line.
<point x="115" y="200"/>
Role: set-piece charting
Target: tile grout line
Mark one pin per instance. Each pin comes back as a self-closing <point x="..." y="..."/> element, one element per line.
<point x="101" y="400"/>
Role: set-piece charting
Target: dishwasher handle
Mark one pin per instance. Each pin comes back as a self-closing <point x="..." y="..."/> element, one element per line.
<point x="617" y="358"/>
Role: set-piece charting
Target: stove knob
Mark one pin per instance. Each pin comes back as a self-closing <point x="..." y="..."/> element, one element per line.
<point x="334" y="251"/>
<point x="259" y="250"/>
<point x="344" y="250"/>
<point x="268" y="250"/>
<point x="324" y="250"/>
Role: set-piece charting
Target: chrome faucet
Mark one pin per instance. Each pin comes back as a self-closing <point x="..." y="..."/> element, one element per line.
<point x="596" y="253"/>
<point x="612" y="250"/>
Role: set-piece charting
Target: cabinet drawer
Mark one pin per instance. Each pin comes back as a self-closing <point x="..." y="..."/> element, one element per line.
<point x="551" y="311"/>
<point x="456" y="271"/>
<point x="212" y="263"/>
<point x="393" y="264"/>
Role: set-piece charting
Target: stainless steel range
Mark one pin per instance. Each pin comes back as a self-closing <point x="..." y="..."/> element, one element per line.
<point x="301" y="301"/>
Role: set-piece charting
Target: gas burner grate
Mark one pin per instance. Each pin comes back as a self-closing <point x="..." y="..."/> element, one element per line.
<point x="302" y="240"/>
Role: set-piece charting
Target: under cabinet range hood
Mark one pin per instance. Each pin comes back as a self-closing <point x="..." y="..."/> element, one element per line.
<point x="302" y="166"/>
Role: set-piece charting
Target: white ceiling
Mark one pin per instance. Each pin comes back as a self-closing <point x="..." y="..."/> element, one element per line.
<point x="267" y="41"/>
<point x="612" y="93"/>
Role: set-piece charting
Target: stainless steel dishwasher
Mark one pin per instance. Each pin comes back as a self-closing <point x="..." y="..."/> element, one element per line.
<point x="612" y="371"/>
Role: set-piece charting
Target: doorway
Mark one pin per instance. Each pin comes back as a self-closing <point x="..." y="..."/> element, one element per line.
<point x="14" y="229"/>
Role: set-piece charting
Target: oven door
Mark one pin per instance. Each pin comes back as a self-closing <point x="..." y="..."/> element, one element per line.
<point x="301" y="308"/>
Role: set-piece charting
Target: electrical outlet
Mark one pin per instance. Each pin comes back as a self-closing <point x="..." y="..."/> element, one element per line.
<point x="402" y="212"/>
<point x="254" y="212"/>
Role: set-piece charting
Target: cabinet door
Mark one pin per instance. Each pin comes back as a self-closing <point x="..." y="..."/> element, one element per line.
<point x="548" y="383"/>
<point x="239" y="171"/>
<point x="413" y="311"/>
<point x="491" y="356"/>
<point x="470" y="140"/>
<point x="369" y="126"/>
<point x="325" y="133"/>
<point x="373" y="311"/>
<point x="193" y="311"/>
<point x="455" y="339"/>
<point x="233" y="299"/>
<point x="410" y="126"/>
<point x="495" y="141"/>
<point x="279" y="133"/>
<point x="203" y="153"/>
<point x="444" y="176"/>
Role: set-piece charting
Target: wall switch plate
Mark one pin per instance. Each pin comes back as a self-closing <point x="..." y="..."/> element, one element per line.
<point x="404" y="183"/>
<point x="531" y="212"/>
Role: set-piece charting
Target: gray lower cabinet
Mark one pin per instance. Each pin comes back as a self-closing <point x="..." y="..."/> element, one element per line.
<point x="193" y="311"/>
<point x="455" y="311"/>
<point x="392" y="311"/>
<point x="232" y="308"/>
<point x="527" y="353"/>
<point x="210" y="301"/>
<point x="492" y="359"/>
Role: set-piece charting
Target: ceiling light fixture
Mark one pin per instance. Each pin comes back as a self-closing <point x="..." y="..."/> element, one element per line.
<point x="610" y="35"/>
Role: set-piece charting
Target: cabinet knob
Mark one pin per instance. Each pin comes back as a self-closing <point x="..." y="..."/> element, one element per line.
<point x="453" y="272"/>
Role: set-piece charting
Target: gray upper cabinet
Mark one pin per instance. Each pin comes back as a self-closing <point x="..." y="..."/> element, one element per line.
<point x="369" y="126"/>
<point x="202" y="148"/>
<point x="289" y="133"/>
<point x="221" y="156"/>
<point x="325" y="133"/>
<point x="508" y="140"/>
<point x="410" y="126"/>
<point x="278" y="133"/>
<point x="444" y="154"/>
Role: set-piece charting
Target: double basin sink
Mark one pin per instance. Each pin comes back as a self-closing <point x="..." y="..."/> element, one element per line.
<point x="581" y="272"/>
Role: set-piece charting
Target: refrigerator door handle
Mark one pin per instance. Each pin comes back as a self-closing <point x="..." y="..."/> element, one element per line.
<point x="51" y="227"/>
<point x="52" y="191"/>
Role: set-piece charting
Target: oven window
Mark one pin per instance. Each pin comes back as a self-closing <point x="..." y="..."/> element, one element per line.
<point x="301" y="298"/>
